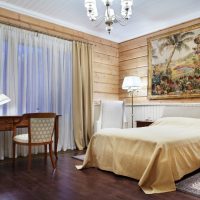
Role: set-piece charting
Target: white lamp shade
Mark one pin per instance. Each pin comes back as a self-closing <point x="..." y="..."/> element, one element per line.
<point x="4" y="99"/>
<point x="131" y="83"/>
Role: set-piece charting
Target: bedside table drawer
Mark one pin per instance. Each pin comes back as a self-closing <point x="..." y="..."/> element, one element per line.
<point x="143" y="123"/>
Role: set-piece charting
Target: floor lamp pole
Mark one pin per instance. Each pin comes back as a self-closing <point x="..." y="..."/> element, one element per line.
<point x="132" y="107"/>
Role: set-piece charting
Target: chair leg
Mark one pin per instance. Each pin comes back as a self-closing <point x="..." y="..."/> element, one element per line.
<point x="45" y="152"/>
<point x="29" y="156"/>
<point x="14" y="146"/>
<point x="51" y="156"/>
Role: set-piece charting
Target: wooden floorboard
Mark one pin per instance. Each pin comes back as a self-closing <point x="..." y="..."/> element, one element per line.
<point x="68" y="183"/>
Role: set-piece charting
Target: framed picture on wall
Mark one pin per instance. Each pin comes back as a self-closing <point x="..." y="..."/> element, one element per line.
<point x="174" y="64"/>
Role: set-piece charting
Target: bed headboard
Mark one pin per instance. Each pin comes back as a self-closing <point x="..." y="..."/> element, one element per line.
<point x="182" y="111"/>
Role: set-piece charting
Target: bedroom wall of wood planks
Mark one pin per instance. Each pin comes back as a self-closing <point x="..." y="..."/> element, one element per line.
<point x="105" y="52"/>
<point x="112" y="61"/>
<point x="133" y="60"/>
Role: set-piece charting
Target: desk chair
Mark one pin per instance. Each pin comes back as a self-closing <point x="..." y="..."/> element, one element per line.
<point x="40" y="132"/>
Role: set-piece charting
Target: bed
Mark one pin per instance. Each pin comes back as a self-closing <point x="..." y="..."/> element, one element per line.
<point x="157" y="155"/>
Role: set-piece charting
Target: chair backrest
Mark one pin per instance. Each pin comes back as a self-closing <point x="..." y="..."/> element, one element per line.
<point x="40" y="126"/>
<point x="112" y="114"/>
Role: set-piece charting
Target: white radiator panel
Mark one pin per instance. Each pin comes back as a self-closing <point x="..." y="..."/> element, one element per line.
<point x="152" y="112"/>
<point x="147" y="112"/>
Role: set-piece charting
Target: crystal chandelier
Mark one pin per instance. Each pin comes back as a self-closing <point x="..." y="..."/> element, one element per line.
<point x="110" y="17"/>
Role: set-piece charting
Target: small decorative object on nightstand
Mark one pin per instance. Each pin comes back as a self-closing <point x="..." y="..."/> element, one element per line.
<point x="141" y="123"/>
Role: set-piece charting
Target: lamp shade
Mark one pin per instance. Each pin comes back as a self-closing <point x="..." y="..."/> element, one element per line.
<point x="131" y="83"/>
<point x="4" y="99"/>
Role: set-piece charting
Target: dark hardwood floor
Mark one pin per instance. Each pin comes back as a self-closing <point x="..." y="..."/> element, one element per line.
<point x="68" y="183"/>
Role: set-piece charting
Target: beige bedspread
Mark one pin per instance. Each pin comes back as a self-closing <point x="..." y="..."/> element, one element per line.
<point x="157" y="156"/>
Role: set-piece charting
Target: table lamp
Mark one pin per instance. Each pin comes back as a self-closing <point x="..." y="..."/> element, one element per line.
<point x="131" y="84"/>
<point x="4" y="99"/>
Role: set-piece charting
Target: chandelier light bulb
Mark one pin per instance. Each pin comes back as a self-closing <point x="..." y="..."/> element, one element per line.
<point x="91" y="9"/>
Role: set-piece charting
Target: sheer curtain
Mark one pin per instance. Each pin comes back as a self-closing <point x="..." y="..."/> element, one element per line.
<point x="36" y="73"/>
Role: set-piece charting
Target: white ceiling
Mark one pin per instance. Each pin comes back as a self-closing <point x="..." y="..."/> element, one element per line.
<point x="148" y="15"/>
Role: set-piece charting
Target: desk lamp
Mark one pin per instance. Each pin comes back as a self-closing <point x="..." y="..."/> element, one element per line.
<point x="4" y="99"/>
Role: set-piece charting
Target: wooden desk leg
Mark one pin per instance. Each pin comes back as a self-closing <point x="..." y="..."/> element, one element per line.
<point x="56" y="137"/>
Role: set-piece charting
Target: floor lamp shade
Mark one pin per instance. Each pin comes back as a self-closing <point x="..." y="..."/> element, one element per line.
<point x="4" y="99"/>
<point x="131" y="83"/>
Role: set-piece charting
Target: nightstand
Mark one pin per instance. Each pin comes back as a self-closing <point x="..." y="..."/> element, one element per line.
<point x="143" y="123"/>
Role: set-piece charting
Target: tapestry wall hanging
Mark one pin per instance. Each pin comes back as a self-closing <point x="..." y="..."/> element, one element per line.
<point x="174" y="64"/>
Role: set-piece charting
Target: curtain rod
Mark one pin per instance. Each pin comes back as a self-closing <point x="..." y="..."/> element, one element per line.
<point x="43" y="32"/>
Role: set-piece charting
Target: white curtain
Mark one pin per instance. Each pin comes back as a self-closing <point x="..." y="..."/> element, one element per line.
<point x="36" y="73"/>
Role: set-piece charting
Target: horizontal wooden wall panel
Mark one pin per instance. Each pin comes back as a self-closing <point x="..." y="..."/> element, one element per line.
<point x="133" y="63"/>
<point x="106" y="59"/>
<point x="174" y="28"/>
<point x="133" y="53"/>
<point x="139" y="71"/>
<point x="106" y="72"/>
<point x="133" y="60"/>
<point x="104" y="96"/>
<point x="106" y="69"/>
<point x="106" y="88"/>
<point x="142" y="40"/>
<point x="107" y="50"/>
<point x="105" y="78"/>
<point x="128" y="45"/>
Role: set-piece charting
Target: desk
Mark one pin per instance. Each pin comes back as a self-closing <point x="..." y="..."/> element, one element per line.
<point x="6" y="124"/>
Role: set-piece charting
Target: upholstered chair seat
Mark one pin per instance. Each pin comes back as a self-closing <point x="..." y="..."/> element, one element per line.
<point x="22" y="138"/>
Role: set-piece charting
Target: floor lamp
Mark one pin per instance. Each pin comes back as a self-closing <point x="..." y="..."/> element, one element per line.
<point x="131" y="84"/>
